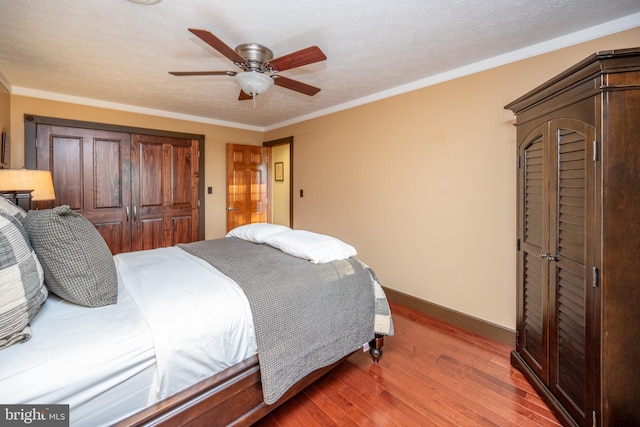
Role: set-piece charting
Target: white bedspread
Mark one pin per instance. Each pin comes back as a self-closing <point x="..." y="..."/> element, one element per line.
<point x="177" y="321"/>
<point x="200" y="319"/>
<point x="77" y="356"/>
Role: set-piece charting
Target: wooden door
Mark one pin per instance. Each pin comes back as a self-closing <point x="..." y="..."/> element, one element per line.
<point x="533" y="326"/>
<point x="164" y="191"/>
<point x="90" y="171"/>
<point x="571" y="287"/>
<point x="248" y="184"/>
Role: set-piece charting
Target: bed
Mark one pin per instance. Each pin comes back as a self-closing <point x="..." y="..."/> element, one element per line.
<point x="215" y="332"/>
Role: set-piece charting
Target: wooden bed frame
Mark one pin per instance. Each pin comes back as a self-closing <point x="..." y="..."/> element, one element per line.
<point x="232" y="397"/>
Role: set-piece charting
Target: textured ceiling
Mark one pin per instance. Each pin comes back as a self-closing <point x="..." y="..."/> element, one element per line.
<point x="118" y="53"/>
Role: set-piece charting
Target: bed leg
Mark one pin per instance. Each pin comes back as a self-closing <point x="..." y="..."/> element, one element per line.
<point x="375" y="347"/>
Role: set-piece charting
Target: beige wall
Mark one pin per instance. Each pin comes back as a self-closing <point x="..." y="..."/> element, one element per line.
<point x="5" y="108"/>
<point x="423" y="184"/>
<point x="216" y="138"/>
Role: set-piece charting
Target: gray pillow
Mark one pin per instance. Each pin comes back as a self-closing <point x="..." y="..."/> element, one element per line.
<point x="77" y="263"/>
<point x="22" y="290"/>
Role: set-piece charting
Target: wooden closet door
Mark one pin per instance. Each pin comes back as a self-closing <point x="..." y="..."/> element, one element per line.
<point x="571" y="264"/>
<point x="164" y="191"/>
<point x="90" y="171"/>
<point x="533" y="217"/>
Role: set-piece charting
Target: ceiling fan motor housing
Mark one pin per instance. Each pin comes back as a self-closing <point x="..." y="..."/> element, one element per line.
<point x="256" y="56"/>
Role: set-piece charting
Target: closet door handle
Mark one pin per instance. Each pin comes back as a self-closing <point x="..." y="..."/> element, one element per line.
<point x="127" y="209"/>
<point x="231" y="208"/>
<point x="549" y="257"/>
<point x="135" y="213"/>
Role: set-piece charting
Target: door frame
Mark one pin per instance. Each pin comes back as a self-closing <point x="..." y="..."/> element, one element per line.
<point x="31" y="121"/>
<point x="286" y="141"/>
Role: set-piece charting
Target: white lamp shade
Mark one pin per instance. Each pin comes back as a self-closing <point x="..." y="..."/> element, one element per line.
<point x="253" y="83"/>
<point x="39" y="182"/>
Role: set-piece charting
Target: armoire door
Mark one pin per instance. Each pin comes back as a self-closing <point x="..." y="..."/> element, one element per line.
<point x="90" y="171"/>
<point x="533" y="271"/>
<point x="556" y="331"/>
<point x="164" y="184"/>
<point x="570" y="258"/>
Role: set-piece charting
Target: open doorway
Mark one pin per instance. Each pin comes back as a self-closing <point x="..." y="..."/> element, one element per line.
<point x="281" y="180"/>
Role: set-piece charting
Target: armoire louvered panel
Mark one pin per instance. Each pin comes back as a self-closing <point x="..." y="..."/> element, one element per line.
<point x="571" y="335"/>
<point x="533" y="337"/>
<point x="534" y="280"/>
<point x="571" y="195"/>
<point x="570" y="370"/>
<point x="533" y="193"/>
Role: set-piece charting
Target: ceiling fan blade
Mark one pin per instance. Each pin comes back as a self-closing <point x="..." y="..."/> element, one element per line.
<point x="218" y="45"/>
<point x="295" y="85"/>
<point x="243" y="96"/>
<point x="203" y="73"/>
<point x="297" y="59"/>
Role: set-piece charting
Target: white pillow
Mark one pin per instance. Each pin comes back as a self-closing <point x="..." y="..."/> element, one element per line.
<point x="257" y="232"/>
<point x="317" y="248"/>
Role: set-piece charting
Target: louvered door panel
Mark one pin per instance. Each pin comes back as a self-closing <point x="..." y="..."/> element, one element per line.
<point x="571" y="194"/>
<point x="533" y="324"/>
<point x="533" y="193"/>
<point x="533" y="336"/>
<point x="570" y="306"/>
<point x="569" y="211"/>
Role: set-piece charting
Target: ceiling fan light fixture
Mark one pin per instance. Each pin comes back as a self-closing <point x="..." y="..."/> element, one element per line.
<point x="253" y="83"/>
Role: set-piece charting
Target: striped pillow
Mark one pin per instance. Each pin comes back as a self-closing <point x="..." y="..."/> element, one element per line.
<point x="77" y="263"/>
<point x="12" y="209"/>
<point x="22" y="289"/>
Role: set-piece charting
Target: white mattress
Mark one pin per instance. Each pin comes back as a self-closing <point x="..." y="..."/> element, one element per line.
<point x="162" y="336"/>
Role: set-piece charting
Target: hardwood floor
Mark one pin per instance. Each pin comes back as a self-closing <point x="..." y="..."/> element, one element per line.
<point x="431" y="374"/>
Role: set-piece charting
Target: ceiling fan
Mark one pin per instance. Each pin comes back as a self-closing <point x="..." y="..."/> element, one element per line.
<point x="259" y="69"/>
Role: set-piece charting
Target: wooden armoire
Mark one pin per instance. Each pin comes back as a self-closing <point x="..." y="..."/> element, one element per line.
<point x="139" y="190"/>
<point x="578" y="240"/>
